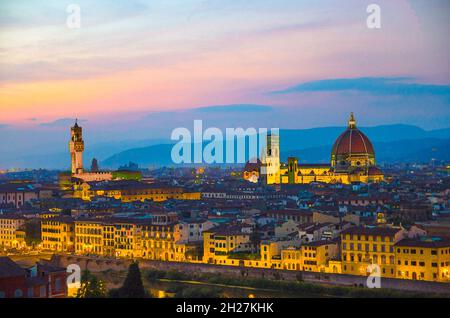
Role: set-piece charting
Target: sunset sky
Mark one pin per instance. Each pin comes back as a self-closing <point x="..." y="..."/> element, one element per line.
<point x="138" y="69"/>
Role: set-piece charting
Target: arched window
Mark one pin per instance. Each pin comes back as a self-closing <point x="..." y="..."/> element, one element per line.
<point x="18" y="293"/>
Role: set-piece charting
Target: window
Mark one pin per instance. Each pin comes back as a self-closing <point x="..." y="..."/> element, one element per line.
<point x="18" y="293"/>
<point x="42" y="291"/>
<point x="58" y="286"/>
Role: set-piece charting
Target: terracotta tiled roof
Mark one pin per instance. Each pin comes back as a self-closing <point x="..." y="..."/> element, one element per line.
<point x="424" y="242"/>
<point x="10" y="269"/>
<point x="352" y="141"/>
<point x="368" y="230"/>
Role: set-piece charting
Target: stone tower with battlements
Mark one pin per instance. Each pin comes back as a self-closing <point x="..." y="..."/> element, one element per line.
<point x="76" y="147"/>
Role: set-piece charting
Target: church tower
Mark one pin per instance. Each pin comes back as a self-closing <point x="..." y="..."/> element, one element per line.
<point x="76" y="147"/>
<point x="271" y="158"/>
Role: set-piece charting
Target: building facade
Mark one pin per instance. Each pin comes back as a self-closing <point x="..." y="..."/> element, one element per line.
<point x="426" y="258"/>
<point x="11" y="231"/>
<point x="352" y="160"/>
<point x="58" y="234"/>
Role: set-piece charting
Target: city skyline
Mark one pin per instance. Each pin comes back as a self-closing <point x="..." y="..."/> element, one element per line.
<point x="136" y="70"/>
<point x="236" y="152"/>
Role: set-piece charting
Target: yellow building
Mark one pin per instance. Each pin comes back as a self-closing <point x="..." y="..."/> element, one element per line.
<point x="134" y="239"/>
<point x="159" y="242"/>
<point x="291" y="258"/>
<point x="129" y="191"/>
<point x="311" y="257"/>
<point x="89" y="237"/>
<point x="221" y="242"/>
<point x="10" y="235"/>
<point x="352" y="160"/>
<point x="109" y="242"/>
<point x="127" y="238"/>
<point x="423" y="259"/>
<point x="58" y="234"/>
<point x="271" y="252"/>
<point x="362" y="246"/>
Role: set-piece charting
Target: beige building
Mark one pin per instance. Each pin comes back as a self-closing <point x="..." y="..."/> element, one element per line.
<point x="58" y="234"/>
<point x="18" y="194"/>
<point x="221" y="242"/>
<point x="311" y="257"/>
<point x="11" y="231"/>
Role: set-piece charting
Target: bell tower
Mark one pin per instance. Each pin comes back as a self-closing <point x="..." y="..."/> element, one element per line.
<point x="76" y="147"/>
<point x="271" y="158"/>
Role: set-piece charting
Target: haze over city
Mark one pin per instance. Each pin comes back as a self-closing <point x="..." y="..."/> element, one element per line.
<point x="251" y="154"/>
<point x="135" y="70"/>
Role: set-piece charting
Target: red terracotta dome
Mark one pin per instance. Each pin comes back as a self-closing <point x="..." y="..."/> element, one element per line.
<point x="352" y="141"/>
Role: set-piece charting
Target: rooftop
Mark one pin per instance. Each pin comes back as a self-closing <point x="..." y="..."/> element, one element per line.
<point x="432" y="242"/>
<point x="372" y="230"/>
<point x="8" y="268"/>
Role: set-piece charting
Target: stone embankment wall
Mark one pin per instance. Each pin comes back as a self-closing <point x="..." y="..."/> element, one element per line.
<point x="95" y="264"/>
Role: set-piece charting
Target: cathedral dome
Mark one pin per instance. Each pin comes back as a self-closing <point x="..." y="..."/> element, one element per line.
<point x="352" y="144"/>
<point x="253" y="166"/>
<point x="252" y="170"/>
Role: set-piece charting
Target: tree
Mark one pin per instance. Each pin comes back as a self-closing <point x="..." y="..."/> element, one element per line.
<point x="255" y="238"/>
<point x="132" y="286"/>
<point x="33" y="232"/>
<point x="91" y="286"/>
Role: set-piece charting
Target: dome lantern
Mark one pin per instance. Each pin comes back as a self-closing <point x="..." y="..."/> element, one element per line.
<point x="352" y="121"/>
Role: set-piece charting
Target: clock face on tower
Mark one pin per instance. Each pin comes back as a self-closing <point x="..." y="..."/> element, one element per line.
<point x="79" y="147"/>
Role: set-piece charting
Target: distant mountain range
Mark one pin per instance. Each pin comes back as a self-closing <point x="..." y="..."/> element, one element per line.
<point x="393" y="143"/>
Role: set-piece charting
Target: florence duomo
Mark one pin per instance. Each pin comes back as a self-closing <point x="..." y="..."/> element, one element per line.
<point x="352" y="160"/>
<point x="242" y="150"/>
